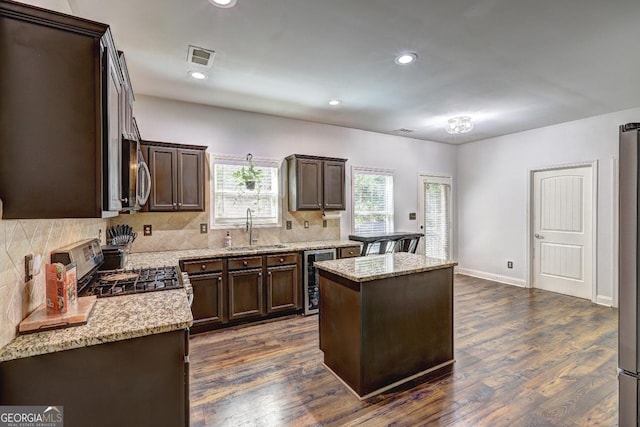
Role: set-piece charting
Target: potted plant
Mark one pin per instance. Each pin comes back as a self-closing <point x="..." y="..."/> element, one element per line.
<point x="248" y="177"/>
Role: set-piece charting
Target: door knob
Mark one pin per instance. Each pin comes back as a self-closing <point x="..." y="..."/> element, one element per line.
<point x="539" y="236"/>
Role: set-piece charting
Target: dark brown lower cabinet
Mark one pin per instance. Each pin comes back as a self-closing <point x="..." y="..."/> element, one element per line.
<point x="232" y="290"/>
<point x="208" y="299"/>
<point x="282" y="288"/>
<point x="136" y="382"/>
<point x="245" y="293"/>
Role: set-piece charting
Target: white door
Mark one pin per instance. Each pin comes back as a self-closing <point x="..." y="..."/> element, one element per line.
<point x="434" y="200"/>
<point x="562" y="219"/>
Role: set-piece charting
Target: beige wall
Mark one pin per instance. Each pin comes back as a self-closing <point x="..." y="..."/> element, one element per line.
<point x="37" y="236"/>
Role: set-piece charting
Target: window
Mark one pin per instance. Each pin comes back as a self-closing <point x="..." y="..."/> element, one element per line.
<point x="436" y="216"/>
<point x="231" y="197"/>
<point x="372" y="200"/>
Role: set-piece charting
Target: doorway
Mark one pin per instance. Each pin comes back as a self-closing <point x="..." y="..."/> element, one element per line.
<point x="562" y="230"/>
<point x="434" y="207"/>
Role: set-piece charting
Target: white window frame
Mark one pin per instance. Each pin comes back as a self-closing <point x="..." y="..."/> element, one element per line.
<point x="222" y="159"/>
<point x="434" y="179"/>
<point x="363" y="170"/>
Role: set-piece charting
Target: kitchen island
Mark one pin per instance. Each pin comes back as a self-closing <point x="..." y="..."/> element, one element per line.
<point x="385" y="319"/>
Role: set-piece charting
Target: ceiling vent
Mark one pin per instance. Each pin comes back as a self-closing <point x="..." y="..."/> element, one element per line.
<point x="404" y="130"/>
<point x="200" y="56"/>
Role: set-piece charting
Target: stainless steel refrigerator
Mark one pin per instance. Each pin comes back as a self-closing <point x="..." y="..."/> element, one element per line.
<point x="628" y="278"/>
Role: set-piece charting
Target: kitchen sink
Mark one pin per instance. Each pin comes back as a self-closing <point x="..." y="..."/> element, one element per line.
<point x="255" y="247"/>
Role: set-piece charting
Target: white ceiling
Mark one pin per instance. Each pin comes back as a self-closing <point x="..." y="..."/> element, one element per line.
<point x="513" y="65"/>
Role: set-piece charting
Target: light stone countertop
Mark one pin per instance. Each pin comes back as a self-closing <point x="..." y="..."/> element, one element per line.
<point x="112" y="319"/>
<point x="372" y="267"/>
<point x="131" y="316"/>
<point x="154" y="259"/>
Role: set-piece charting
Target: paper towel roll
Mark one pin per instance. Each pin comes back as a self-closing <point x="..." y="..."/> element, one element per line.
<point x="331" y="215"/>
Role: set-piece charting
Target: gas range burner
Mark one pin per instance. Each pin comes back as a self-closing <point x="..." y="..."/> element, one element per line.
<point x="122" y="282"/>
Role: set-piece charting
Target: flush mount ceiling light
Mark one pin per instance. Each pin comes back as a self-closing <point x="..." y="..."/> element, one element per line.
<point x="458" y="125"/>
<point x="198" y="75"/>
<point x="335" y="102"/>
<point x="223" y="3"/>
<point x="406" y="58"/>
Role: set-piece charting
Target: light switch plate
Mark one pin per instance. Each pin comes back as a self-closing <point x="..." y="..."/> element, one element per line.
<point x="147" y="230"/>
<point x="509" y="264"/>
<point x="306" y="224"/>
<point x="288" y="225"/>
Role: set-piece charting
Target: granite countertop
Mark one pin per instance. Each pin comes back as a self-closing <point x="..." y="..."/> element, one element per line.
<point x="112" y="319"/>
<point x="372" y="267"/>
<point x="137" y="259"/>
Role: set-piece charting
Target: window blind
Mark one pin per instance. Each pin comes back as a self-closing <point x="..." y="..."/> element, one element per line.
<point x="437" y="218"/>
<point x="372" y="200"/>
<point x="232" y="198"/>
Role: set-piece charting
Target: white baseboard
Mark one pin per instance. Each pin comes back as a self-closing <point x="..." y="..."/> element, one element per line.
<point x="494" y="277"/>
<point x="606" y="301"/>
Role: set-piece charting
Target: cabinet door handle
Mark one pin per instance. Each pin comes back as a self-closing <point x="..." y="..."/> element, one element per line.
<point x="269" y="273"/>
<point x="220" y="279"/>
<point x="245" y="263"/>
<point x="204" y="266"/>
<point x="260" y="274"/>
<point x="281" y="259"/>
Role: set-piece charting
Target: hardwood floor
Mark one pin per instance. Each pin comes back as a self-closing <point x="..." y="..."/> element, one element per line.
<point x="523" y="358"/>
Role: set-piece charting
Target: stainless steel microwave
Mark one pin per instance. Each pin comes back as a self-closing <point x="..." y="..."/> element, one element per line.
<point x="136" y="179"/>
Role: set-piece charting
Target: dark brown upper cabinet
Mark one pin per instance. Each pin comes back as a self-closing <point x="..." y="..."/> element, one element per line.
<point x="60" y="109"/>
<point x="316" y="183"/>
<point x="177" y="176"/>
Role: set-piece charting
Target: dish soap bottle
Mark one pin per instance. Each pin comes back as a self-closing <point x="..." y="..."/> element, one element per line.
<point x="227" y="240"/>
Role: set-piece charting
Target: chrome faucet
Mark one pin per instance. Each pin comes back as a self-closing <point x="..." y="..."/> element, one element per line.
<point x="250" y="226"/>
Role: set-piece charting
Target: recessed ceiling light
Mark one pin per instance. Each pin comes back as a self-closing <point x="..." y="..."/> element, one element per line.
<point x="197" y="75"/>
<point x="457" y="125"/>
<point x="335" y="102"/>
<point x="223" y="3"/>
<point x="406" y="58"/>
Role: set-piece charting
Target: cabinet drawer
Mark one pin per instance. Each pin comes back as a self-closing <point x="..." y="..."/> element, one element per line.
<point x="203" y="266"/>
<point x="281" y="259"/>
<point x="245" y="262"/>
<point x="349" y="252"/>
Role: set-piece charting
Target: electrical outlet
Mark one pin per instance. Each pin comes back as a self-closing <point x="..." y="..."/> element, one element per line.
<point x="306" y="224"/>
<point x="288" y="225"/>
<point x="509" y="264"/>
<point x="412" y="216"/>
<point x="203" y="228"/>
<point x="146" y="229"/>
<point x="324" y="223"/>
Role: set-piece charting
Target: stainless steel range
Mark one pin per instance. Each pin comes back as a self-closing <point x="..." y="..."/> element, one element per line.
<point x="122" y="282"/>
<point x="88" y="256"/>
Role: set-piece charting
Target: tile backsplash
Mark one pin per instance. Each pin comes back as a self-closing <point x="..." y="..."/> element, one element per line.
<point x="181" y="230"/>
<point x="19" y="238"/>
<point x="171" y="231"/>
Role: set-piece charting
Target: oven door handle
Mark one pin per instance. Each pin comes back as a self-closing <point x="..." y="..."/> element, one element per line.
<point x="145" y="185"/>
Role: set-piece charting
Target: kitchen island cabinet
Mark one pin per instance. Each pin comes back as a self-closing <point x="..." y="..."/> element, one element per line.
<point x="385" y="319"/>
<point x="128" y="366"/>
